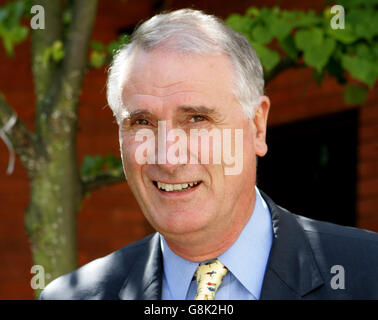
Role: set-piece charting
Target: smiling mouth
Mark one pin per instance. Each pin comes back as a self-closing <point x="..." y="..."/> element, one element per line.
<point x="176" y="187"/>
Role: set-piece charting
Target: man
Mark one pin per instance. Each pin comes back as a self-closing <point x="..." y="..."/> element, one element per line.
<point x="218" y="236"/>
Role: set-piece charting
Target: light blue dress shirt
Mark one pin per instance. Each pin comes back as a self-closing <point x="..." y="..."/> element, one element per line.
<point x="246" y="261"/>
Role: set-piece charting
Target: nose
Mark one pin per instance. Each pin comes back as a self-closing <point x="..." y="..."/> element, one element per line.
<point x="171" y="152"/>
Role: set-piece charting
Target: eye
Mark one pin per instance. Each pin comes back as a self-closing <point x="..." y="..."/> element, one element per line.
<point x="142" y="122"/>
<point x="197" y="118"/>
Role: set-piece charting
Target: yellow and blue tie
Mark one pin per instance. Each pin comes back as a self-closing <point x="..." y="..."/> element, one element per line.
<point x="209" y="277"/>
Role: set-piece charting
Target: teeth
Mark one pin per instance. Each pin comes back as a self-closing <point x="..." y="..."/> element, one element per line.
<point x="176" y="187"/>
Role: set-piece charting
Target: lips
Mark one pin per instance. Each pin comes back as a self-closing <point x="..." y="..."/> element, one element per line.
<point x="175" y="187"/>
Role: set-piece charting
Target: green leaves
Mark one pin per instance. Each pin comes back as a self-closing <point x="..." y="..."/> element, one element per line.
<point x="101" y="54"/>
<point x="263" y="26"/>
<point x="241" y="24"/>
<point x="345" y="36"/>
<point x="288" y="45"/>
<point x="268" y="57"/>
<point x="54" y="52"/>
<point x="279" y="28"/>
<point x="361" y="69"/>
<point x="260" y="27"/>
<point x="308" y="37"/>
<point x="317" y="49"/>
<point x="11" y="30"/>
<point x="94" y="165"/>
<point x="97" y="59"/>
<point x="361" y="61"/>
<point x="364" y="23"/>
<point x="355" y="94"/>
<point x="114" y="46"/>
<point x="260" y="34"/>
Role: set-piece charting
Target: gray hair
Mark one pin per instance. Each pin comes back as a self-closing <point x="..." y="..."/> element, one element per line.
<point x="192" y="31"/>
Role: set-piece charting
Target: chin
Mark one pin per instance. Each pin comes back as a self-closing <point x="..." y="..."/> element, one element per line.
<point x="180" y="222"/>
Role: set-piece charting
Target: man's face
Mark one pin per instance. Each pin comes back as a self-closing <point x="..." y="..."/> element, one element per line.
<point x="189" y="91"/>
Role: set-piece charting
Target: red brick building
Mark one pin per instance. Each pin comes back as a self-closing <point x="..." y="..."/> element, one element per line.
<point x="110" y="217"/>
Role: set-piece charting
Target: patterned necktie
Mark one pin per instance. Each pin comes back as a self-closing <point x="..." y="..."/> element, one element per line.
<point x="209" y="277"/>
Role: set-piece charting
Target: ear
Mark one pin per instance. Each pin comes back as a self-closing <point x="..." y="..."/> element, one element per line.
<point x="260" y="124"/>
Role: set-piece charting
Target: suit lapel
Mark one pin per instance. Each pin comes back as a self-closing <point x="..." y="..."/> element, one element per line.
<point x="291" y="271"/>
<point x="144" y="281"/>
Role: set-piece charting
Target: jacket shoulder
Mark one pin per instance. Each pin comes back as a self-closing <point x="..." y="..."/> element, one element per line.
<point x="99" y="279"/>
<point x="347" y="251"/>
<point x="341" y="242"/>
<point x="335" y="231"/>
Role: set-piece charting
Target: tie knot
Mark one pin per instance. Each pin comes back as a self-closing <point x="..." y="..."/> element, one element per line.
<point x="209" y="277"/>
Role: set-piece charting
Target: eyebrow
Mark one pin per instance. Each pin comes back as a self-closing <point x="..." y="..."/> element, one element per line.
<point x="198" y="109"/>
<point x="140" y="112"/>
<point x="181" y="109"/>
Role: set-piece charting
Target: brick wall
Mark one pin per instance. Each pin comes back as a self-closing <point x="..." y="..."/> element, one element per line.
<point x="368" y="165"/>
<point x="295" y="97"/>
<point x="110" y="217"/>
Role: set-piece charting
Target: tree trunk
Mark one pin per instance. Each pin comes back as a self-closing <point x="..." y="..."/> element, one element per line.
<point x="55" y="200"/>
<point x="56" y="186"/>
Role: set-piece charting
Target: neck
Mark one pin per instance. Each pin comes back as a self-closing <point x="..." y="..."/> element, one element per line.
<point x="209" y="244"/>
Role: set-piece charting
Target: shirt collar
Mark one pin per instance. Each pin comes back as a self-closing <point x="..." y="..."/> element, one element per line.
<point x="246" y="258"/>
<point x="178" y="271"/>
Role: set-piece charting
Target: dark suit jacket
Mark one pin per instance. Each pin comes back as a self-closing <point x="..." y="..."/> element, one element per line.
<point x="299" y="267"/>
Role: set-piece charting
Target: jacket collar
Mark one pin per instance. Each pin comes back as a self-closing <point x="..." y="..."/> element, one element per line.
<point x="292" y="271"/>
<point x="144" y="281"/>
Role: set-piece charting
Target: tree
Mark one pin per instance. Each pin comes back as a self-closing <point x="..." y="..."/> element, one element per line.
<point x="49" y="153"/>
<point x="283" y="39"/>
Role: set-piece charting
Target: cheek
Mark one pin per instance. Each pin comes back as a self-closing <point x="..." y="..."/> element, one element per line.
<point x="128" y="147"/>
<point x="249" y="155"/>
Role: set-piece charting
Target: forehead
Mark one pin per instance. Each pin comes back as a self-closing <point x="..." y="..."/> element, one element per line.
<point x="168" y="77"/>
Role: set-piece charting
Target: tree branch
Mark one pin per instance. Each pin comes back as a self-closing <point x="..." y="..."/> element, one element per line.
<point x="101" y="180"/>
<point x="76" y="54"/>
<point x="43" y="39"/>
<point x="19" y="136"/>
<point x="46" y="72"/>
